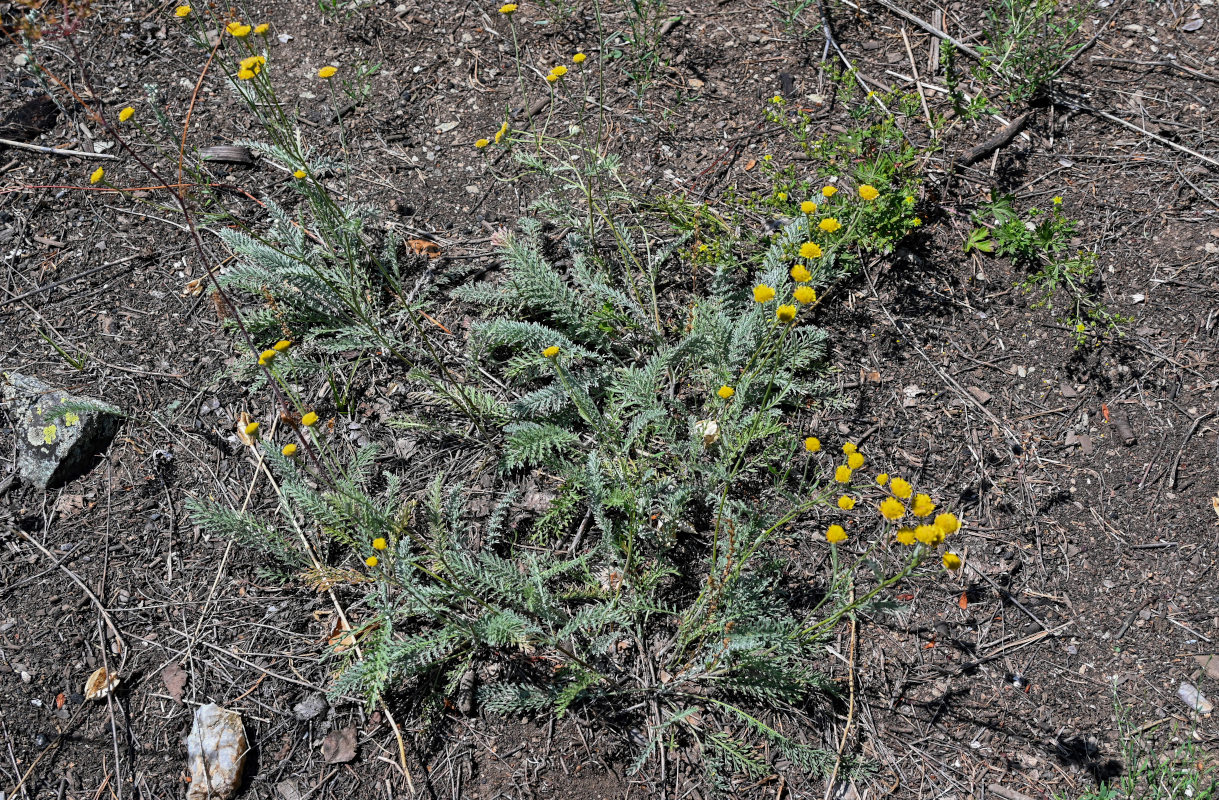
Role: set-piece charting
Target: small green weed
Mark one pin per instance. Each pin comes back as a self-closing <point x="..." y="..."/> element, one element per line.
<point x="1151" y="773"/>
<point x="1038" y="242"/>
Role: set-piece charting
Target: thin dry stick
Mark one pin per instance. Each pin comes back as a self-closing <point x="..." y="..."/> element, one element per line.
<point x="927" y="26"/>
<point x="918" y="83"/>
<point x="88" y="592"/>
<point x="1075" y="105"/>
<point x="190" y="645"/>
<point x="842" y="743"/>
<point x="55" y="151"/>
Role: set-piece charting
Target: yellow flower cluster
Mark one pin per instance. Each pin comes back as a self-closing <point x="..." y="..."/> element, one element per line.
<point x="551" y="352"/>
<point x="726" y="392"/>
<point x="901" y="501"/>
<point x="182" y="12"/>
<point x="238" y="30"/>
<point x="327" y="72"/>
<point x="97" y="175"/>
<point x="579" y="58"/>
<point x="507" y="8"/>
<point x="250" y="67"/>
<point x="126" y="114"/>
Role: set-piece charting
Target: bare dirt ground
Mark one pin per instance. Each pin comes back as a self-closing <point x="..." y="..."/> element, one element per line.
<point x="1086" y="474"/>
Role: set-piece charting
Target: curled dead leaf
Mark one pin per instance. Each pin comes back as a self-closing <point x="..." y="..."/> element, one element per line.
<point x="424" y="248"/>
<point x="340" y="636"/>
<point x="1215" y="504"/>
<point x="193" y="288"/>
<point x="100" y="684"/>
<point x="243" y="419"/>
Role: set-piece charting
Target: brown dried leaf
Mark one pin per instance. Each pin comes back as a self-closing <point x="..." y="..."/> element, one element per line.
<point x="340" y="636"/>
<point x="193" y="288"/>
<point x="339" y="746"/>
<point x="243" y="419"/>
<point x="1215" y="504"/>
<point x="174" y="678"/>
<point x="424" y="248"/>
<point x="100" y="684"/>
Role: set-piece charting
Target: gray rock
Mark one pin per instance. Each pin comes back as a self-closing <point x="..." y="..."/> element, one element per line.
<point x="216" y="750"/>
<point x="310" y="707"/>
<point x="54" y="446"/>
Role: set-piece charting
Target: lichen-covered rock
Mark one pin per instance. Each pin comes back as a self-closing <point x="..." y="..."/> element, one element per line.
<point x="216" y="751"/>
<point x="53" y="445"/>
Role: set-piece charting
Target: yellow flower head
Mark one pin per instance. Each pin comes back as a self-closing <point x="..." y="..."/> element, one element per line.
<point x="1057" y="201"/>
<point x="777" y="100"/>
<point x="842" y="474"/>
<point x="829" y="225"/>
<point x="900" y="488"/>
<point x="726" y="392"/>
<point x="266" y="357"/>
<point x="289" y="450"/>
<point x="244" y="74"/>
<point x="829" y="191"/>
<point x="948" y="523"/>
<point x="327" y="72"/>
<point x="952" y="562"/>
<point x="849" y="447"/>
<point x="551" y="78"/>
<point x="282" y="345"/>
<point x="812" y="444"/>
<point x="905" y="536"/>
<point x="299" y="174"/>
<point x="782" y="196"/>
<point x="97" y="175"/>
<point x="372" y="561"/>
<point x="763" y="293"/>
<point x="500" y="133"/>
<point x="922" y="506"/>
<point x="892" y="508"/>
<point x="262" y="29"/>
<point x="251" y="429"/>
<point x="916" y="222"/>
<point x="808" y="206"/>
<point x="237" y="30"/>
<point x="810" y="250"/>
<point x="800" y="274"/>
<point x="379" y="543"/>
<point x="929" y="534"/>
<point x="310" y="419"/>
<point x="579" y="58"/>
<point x="253" y="63"/>
<point x="507" y="8"/>
<point x="846" y="502"/>
<point x="551" y="352"/>
<point x="481" y="143"/>
<point x="126" y="114"/>
<point x="835" y="534"/>
<point x="909" y="199"/>
<point x="182" y="11"/>
<point x="882" y="479"/>
<point x="560" y="70"/>
<point x="805" y="295"/>
<point x="868" y="192"/>
<point x="785" y="313"/>
<point x="855" y="460"/>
